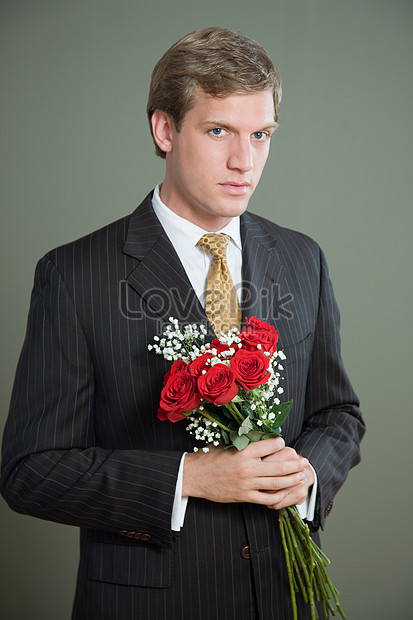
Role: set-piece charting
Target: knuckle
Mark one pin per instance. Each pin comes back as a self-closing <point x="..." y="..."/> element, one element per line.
<point x="244" y="471"/>
<point x="282" y="469"/>
<point x="276" y="484"/>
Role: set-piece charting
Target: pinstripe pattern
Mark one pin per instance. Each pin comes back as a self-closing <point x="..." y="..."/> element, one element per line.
<point x="83" y="446"/>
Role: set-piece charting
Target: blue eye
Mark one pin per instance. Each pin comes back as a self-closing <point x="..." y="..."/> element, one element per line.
<point x="260" y="135"/>
<point x="217" y="131"/>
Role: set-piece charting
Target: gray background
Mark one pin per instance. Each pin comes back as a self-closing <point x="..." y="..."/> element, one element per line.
<point x="76" y="154"/>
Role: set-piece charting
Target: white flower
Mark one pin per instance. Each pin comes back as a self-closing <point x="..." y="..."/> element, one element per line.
<point x="205" y="450"/>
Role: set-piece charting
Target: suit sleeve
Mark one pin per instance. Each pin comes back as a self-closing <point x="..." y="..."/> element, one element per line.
<point x="333" y="426"/>
<point x="51" y="466"/>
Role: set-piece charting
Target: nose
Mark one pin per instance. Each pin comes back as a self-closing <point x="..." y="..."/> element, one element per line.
<point x="240" y="157"/>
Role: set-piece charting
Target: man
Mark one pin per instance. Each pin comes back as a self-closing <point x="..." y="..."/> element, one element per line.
<point x="83" y="444"/>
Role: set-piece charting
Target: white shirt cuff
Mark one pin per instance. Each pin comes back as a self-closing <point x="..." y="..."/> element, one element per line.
<point x="180" y="503"/>
<point x="307" y="508"/>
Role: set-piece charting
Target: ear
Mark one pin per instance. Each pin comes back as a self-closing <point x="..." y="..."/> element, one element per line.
<point x="162" y="125"/>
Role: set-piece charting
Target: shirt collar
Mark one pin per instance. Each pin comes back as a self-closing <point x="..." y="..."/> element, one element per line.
<point x="182" y="232"/>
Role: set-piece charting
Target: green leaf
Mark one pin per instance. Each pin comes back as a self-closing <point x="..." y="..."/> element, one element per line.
<point x="245" y="427"/>
<point x="256" y="435"/>
<point x="225" y="437"/>
<point x="239" y="442"/>
<point x="237" y="399"/>
<point x="281" y="412"/>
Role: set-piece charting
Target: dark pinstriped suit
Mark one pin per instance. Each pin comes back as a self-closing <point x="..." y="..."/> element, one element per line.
<point x="83" y="444"/>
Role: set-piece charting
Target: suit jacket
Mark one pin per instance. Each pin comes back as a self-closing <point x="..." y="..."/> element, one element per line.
<point x="83" y="445"/>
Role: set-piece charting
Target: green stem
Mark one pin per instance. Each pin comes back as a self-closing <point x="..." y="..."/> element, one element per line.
<point x="303" y="561"/>
<point x="287" y="559"/>
<point x="234" y="411"/>
<point x="289" y="535"/>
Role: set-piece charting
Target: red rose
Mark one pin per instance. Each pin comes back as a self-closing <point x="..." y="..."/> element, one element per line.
<point x="258" y="332"/>
<point x="176" y="367"/>
<point x="179" y="395"/>
<point x="218" y="384"/>
<point x="199" y="364"/>
<point x="250" y="368"/>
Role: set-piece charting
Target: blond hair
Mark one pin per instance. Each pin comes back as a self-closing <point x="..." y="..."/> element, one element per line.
<point x="220" y="62"/>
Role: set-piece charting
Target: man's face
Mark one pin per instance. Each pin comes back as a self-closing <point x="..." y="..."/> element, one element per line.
<point x="214" y="163"/>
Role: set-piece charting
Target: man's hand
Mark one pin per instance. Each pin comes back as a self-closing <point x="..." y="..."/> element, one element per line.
<point x="266" y="472"/>
<point x="295" y="494"/>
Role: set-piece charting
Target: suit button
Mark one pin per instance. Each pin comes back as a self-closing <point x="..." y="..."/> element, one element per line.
<point x="328" y="509"/>
<point x="246" y="553"/>
<point x="123" y="532"/>
<point x="131" y="534"/>
<point x="146" y="537"/>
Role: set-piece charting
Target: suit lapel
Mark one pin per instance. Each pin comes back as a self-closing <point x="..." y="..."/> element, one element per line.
<point x="261" y="269"/>
<point x="159" y="277"/>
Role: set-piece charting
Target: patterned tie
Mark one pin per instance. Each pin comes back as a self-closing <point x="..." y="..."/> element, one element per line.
<point x="221" y="302"/>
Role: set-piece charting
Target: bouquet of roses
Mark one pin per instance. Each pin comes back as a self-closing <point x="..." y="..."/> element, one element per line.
<point x="228" y="391"/>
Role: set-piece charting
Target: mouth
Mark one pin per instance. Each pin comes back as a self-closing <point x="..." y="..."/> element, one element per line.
<point x="236" y="189"/>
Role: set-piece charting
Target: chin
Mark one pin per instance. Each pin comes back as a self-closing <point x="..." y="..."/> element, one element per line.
<point x="234" y="208"/>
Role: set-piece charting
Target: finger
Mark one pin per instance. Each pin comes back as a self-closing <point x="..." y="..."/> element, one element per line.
<point x="278" y="483"/>
<point x="286" y="454"/>
<point x="261" y="449"/>
<point x="284" y="498"/>
<point x="279" y="469"/>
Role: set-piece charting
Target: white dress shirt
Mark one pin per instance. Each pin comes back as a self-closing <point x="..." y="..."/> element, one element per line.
<point x="184" y="236"/>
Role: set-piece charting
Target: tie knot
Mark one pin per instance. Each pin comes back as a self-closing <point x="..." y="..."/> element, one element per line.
<point x="215" y="243"/>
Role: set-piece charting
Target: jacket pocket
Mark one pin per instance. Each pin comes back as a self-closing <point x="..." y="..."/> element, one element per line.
<point x="130" y="565"/>
<point x="298" y="351"/>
